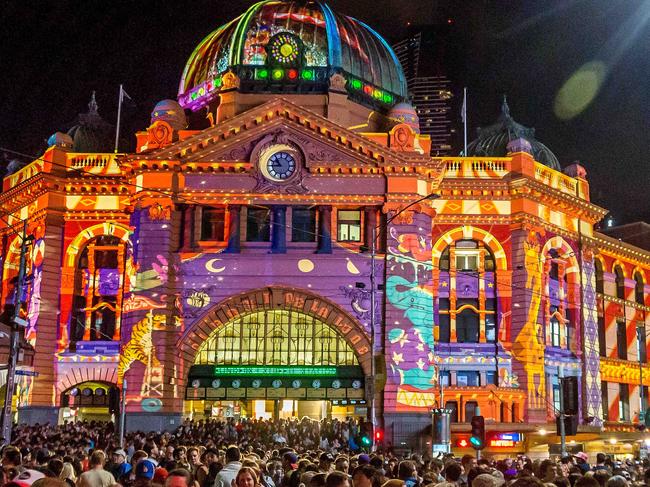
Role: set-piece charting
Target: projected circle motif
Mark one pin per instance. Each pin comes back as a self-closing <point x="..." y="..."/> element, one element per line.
<point x="284" y="48"/>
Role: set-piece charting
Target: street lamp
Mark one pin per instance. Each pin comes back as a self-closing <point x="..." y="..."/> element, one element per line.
<point x="373" y="297"/>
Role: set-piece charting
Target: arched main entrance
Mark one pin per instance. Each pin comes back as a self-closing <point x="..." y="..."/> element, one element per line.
<point x="89" y="401"/>
<point x="276" y="352"/>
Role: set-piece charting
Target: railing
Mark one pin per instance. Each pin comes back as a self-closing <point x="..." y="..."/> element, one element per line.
<point x="555" y="179"/>
<point x="483" y="168"/>
<point x="101" y="164"/>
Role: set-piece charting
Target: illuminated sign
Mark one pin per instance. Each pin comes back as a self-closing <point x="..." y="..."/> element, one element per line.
<point x="501" y="443"/>
<point x="463" y="443"/>
<point x="275" y="371"/>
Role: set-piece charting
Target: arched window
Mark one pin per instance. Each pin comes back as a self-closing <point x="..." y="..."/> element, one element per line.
<point x="470" y="410"/>
<point x="598" y="268"/>
<point x="472" y="315"/>
<point x="98" y="275"/>
<point x="620" y="282"/>
<point x="638" y="288"/>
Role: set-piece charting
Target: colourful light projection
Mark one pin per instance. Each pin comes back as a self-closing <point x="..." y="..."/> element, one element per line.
<point x="284" y="49"/>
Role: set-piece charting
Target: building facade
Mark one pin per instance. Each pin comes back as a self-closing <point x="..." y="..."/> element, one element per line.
<point x="225" y="267"/>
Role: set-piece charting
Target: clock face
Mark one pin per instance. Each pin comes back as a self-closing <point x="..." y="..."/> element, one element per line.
<point x="280" y="166"/>
<point x="295" y="384"/>
<point x="336" y="384"/>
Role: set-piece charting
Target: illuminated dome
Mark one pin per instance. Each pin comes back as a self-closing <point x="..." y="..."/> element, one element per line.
<point x="294" y="47"/>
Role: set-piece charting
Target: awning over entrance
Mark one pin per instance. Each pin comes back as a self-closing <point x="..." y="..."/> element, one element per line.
<point x="310" y="383"/>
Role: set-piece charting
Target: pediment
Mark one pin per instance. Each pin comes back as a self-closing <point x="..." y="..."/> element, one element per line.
<point x="322" y="141"/>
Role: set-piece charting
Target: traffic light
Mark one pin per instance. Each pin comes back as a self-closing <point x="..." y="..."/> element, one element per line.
<point x="477" y="438"/>
<point x="647" y="418"/>
<point x="379" y="436"/>
<point x="366" y="434"/>
<point x="570" y="395"/>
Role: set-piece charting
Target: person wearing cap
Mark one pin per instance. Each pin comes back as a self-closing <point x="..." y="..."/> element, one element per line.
<point x="582" y="460"/>
<point x="289" y="465"/>
<point x="144" y="473"/>
<point x="229" y="471"/>
<point x="96" y="476"/>
<point x="119" y="465"/>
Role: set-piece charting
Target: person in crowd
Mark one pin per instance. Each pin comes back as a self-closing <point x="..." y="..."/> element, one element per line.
<point x="325" y="462"/>
<point x="179" y="477"/>
<point x="342" y="464"/>
<point x="245" y="477"/>
<point x="337" y="479"/>
<point x="365" y="476"/>
<point x="144" y="473"/>
<point x="68" y="475"/>
<point x="231" y="468"/>
<point x="96" y="476"/>
<point x="467" y="462"/>
<point x="548" y="471"/>
<point x="617" y="481"/>
<point x="119" y="466"/>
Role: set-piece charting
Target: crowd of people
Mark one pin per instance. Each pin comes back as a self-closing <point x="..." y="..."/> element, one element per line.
<point x="282" y="453"/>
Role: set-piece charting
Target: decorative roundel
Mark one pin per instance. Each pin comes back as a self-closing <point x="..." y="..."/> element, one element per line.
<point x="316" y="384"/>
<point x="276" y="383"/>
<point x="100" y="392"/>
<point x="284" y="48"/>
<point x="336" y="384"/>
<point x="196" y="383"/>
<point x="356" y="384"/>
<point x="257" y="383"/>
<point x="295" y="384"/>
<point x="87" y="392"/>
<point x="216" y="383"/>
<point x="74" y="391"/>
<point x="236" y="384"/>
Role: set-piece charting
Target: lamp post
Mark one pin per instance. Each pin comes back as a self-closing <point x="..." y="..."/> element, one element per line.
<point x="373" y="300"/>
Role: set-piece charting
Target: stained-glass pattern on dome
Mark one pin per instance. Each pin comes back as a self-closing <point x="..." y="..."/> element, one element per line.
<point x="317" y="40"/>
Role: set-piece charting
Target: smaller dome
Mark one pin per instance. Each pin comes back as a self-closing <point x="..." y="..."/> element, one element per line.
<point x="405" y="113"/>
<point x="171" y="112"/>
<point x="91" y="133"/>
<point x="494" y="141"/>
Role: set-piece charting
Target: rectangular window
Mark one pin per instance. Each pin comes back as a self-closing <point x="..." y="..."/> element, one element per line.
<point x="556" y="339"/>
<point x="621" y="339"/>
<point x="623" y="402"/>
<point x="444" y="334"/>
<point x="303" y="224"/>
<point x="602" y="337"/>
<point x="640" y="342"/>
<point x="468" y="378"/>
<point x="490" y="321"/>
<point x="258" y="225"/>
<point x="349" y="225"/>
<point x="445" y="378"/>
<point x="491" y="377"/>
<point x="213" y="224"/>
<point x="604" y="397"/>
<point x="556" y="396"/>
<point x="467" y="260"/>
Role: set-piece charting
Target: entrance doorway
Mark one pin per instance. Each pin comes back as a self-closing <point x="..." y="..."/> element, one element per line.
<point x="90" y="401"/>
<point x="275" y="364"/>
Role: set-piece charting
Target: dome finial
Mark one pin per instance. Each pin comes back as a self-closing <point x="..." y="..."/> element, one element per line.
<point x="92" y="105"/>
<point x="505" y="109"/>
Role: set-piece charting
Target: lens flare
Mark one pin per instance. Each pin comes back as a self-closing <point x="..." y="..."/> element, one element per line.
<point x="580" y="90"/>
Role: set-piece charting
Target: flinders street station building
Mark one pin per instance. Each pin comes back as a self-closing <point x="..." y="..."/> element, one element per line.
<point x="281" y="244"/>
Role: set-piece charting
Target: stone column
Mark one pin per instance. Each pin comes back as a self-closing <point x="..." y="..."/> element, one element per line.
<point x="324" y="230"/>
<point x="370" y="227"/>
<point x="42" y="406"/>
<point x="189" y="226"/>
<point x="234" y="231"/>
<point x="279" y="229"/>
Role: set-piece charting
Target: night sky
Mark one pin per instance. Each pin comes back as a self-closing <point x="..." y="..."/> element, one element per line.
<point x="54" y="54"/>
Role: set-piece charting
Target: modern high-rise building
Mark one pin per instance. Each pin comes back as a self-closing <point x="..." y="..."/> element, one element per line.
<point x="428" y="83"/>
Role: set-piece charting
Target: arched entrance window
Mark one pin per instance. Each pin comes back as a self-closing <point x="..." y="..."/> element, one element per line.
<point x="89" y="401"/>
<point x="97" y="290"/>
<point x="467" y="311"/>
<point x="276" y="337"/>
<point x="275" y="362"/>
